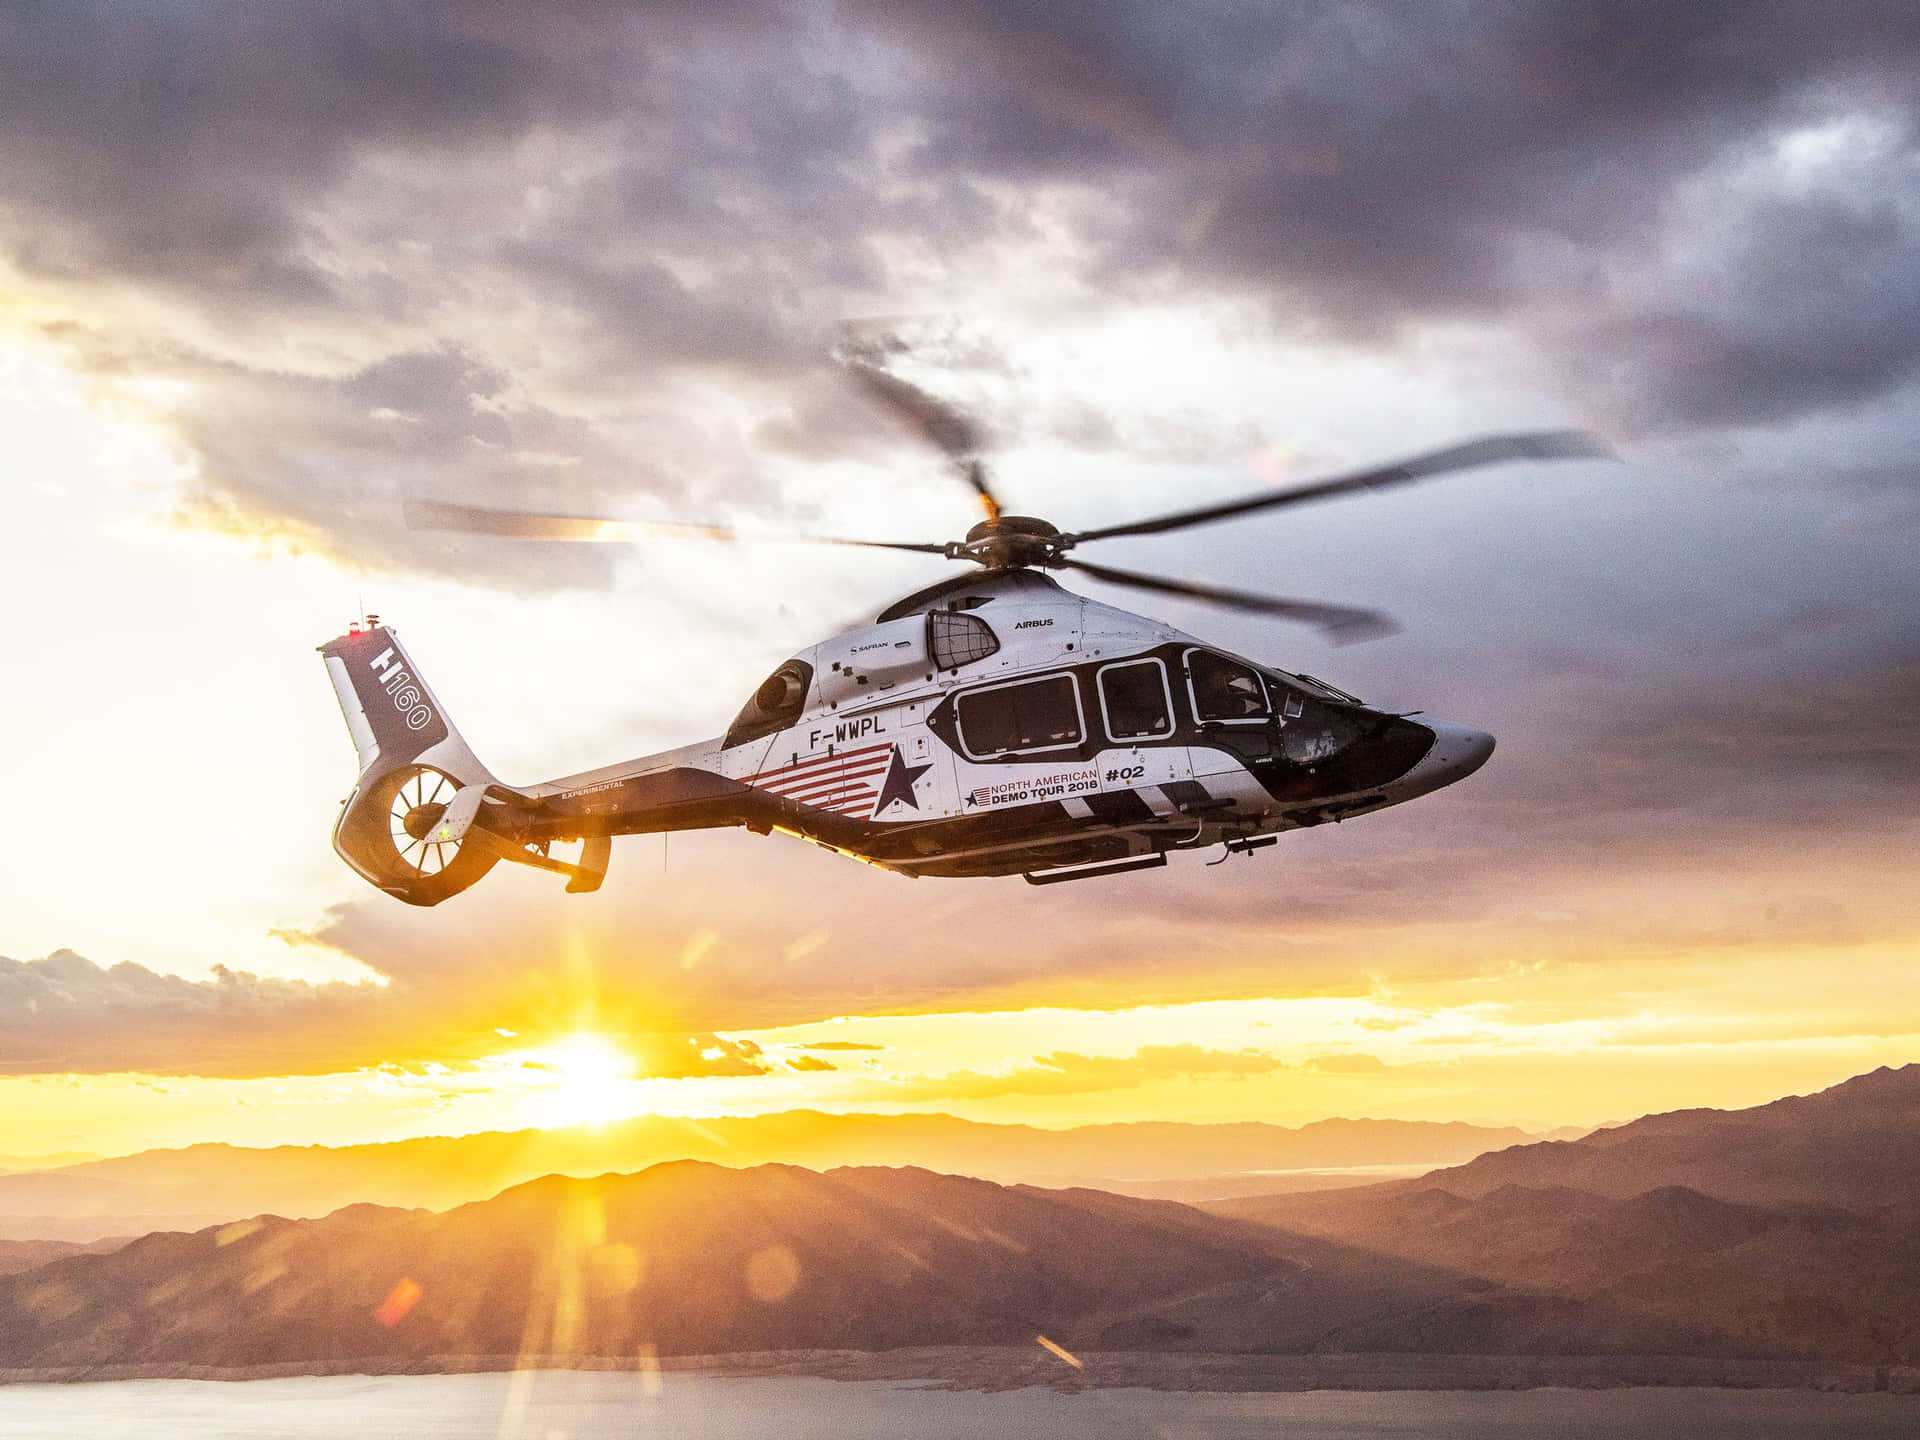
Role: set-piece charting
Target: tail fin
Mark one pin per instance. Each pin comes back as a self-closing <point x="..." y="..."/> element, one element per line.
<point x="405" y="825"/>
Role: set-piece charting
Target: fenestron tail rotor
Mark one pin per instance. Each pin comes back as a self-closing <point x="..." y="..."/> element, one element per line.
<point x="1010" y="542"/>
<point x="422" y="843"/>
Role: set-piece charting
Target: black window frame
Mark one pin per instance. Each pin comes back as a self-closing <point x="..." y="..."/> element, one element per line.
<point x="753" y="724"/>
<point x="936" y="617"/>
<point x="1166" y="695"/>
<point x="1193" y="694"/>
<point x="1079" y="710"/>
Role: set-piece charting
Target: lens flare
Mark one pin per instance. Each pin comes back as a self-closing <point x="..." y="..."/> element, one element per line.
<point x="583" y="1079"/>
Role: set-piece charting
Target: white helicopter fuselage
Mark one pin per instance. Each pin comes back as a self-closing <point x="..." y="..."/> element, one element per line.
<point x="995" y="724"/>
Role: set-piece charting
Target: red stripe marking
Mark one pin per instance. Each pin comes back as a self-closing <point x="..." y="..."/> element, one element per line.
<point x="821" y="772"/>
<point x="828" y="794"/>
<point x="816" y="761"/>
<point x="849" y="804"/>
<point x="857" y="762"/>
<point x="829" y="801"/>
<point x="850" y="800"/>
<point x="828" y="782"/>
<point x="856" y="767"/>
<point x="864" y="807"/>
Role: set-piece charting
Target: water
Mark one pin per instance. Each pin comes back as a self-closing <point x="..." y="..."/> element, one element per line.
<point x="560" y="1405"/>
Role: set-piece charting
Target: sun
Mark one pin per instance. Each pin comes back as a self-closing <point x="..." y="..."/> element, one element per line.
<point x="582" y="1079"/>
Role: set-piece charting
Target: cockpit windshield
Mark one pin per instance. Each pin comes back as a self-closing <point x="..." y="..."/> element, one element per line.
<point x="1312" y="723"/>
<point x="1312" y="731"/>
<point x="1225" y="690"/>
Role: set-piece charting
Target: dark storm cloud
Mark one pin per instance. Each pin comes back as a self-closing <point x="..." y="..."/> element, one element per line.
<point x="1783" y="304"/>
<point x="177" y="141"/>
<point x="597" y="206"/>
<point x="559" y="225"/>
<point x="1365" y="165"/>
<point x="172" y="144"/>
<point x="290" y="457"/>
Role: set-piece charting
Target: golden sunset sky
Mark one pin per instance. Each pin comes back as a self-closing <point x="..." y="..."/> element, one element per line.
<point x="570" y="262"/>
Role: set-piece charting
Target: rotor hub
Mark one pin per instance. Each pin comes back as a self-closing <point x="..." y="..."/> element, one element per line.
<point x="1009" y="542"/>
<point x="420" y="820"/>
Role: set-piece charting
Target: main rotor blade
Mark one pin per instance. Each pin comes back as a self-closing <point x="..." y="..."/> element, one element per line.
<point x="1342" y="624"/>
<point x="948" y="430"/>
<point x="593" y="529"/>
<point x="1488" y="450"/>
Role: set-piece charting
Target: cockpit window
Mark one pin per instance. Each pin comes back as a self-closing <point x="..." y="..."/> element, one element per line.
<point x="1225" y="690"/>
<point x="774" y="706"/>
<point x="955" y="640"/>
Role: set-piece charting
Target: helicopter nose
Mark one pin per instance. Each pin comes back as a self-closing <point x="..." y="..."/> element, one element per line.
<point x="1458" y="751"/>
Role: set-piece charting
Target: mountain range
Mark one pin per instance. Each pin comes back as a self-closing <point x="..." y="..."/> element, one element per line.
<point x="18" y="1255"/>
<point x="688" y="1257"/>
<point x="1792" y="1228"/>
<point x="207" y="1184"/>
<point x="1806" y="1249"/>
<point x="1855" y="1145"/>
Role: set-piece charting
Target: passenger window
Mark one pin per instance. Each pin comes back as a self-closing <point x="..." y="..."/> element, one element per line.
<point x="1034" y="715"/>
<point x="1134" y="699"/>
<point x="1225" y="690"/>
<point x="955" y="640"/>
<point x="774" y="706"/>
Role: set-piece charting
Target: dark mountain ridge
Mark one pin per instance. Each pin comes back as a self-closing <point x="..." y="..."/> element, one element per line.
<point x="202" y="1184"/>
<point x="19" y="1255"/>
<point x="1855" y="1145"/>
<point x="1786" y="1229"/>
<point x="693" y="1258"/>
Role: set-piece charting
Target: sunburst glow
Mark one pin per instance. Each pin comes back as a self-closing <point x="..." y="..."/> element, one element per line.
<point x="582" y="1079"/>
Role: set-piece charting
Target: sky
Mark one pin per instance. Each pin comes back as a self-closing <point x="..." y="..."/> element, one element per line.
<point x="269" y="269"/>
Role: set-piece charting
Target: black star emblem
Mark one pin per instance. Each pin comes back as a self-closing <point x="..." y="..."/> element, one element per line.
<point x="899" y="782"/>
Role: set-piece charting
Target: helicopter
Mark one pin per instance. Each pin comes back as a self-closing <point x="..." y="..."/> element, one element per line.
<point x="992" y="724"/>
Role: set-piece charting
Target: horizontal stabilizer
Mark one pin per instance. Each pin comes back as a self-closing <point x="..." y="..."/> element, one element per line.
<point x="594" y="855"/>
<point x="458" y="816"/>
<point x="583" y="876"/>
